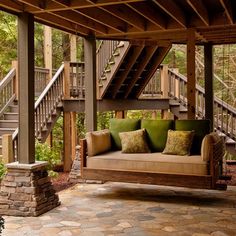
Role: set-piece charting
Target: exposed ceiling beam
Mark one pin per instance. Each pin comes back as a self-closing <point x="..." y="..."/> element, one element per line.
<point x="48" y="18"/>
<point x="200" y="10"/>
<point x="12" y="6"/>
<point x="57" y="5"/>
<point x="226" y="4"/>
<point x="128" y="15"/>
<point x="104" y="18"/>
<point x="149" y="13"/>
<point x="172" y="9"/>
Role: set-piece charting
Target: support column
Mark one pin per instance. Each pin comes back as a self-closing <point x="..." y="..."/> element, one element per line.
<point x="120" y="114"/>
<point x="209" y="93"/>
<point x="90" y="84"/>
<point x="48" y="49"/>
<point x="191" y="85"/>
<point x="26" y="142"/>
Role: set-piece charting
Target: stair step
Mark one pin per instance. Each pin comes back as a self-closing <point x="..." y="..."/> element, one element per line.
<point x="6" y="131"/>
<point x="14" y="108"/>
<point x="116" y="54"/>
<point x="103" y="78"/>
<point x="11" y="116"/>
<point x="8" y="123"/>
<point x="0" y="149"/>
<point x="0" y="140"/>
<point x="108" y="70"/>
<point x="111" y="63"/>
<point x="121" y="44"/>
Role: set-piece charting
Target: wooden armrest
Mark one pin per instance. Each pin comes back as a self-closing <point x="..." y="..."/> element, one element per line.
<point x="83" y="154"/>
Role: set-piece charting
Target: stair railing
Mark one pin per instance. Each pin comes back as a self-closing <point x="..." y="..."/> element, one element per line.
<point x="105" y="53"/>
<point x="224" y="114"/>
<point x="7" y="90"/>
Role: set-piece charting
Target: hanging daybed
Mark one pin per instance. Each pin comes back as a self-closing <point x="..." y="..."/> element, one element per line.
<point x="107" y="155"/>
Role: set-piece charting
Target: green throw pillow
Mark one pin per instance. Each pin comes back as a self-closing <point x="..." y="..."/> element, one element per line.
<point x="122" y="125"/>
<point x="157" y="133"/>
<point x="201" y="128"/>
<point x="179" y="142"/>
<point x="134" y="141"/>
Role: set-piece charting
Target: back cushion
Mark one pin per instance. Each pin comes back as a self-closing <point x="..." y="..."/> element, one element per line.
<point x="201" y="128"/>
<point x="121" y="125"/>
<point x="157" y="133"/>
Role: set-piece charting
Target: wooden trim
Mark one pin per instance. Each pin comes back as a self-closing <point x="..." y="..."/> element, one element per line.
<point x="7" y="149"/>
<point x="190" y="181"/>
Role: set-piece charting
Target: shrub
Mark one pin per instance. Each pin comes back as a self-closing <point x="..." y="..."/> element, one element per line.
<point x="43" y="152"/>
<point x="2" y="170"/>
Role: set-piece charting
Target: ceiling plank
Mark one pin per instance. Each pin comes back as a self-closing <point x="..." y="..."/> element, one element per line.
<point x="12" y="6"/>
<point x="149" y="13"/>
<point x="56" y="5"/>
<point x="48" y="19"/>
<point x="200" y="10"/>
<point x="226" y="4"/>
<point x="172" y="9"/>
<point x="144" y="61"/>
<point x="128" y="15"/>
<point x="105" y="18"/>
<point x="128" y="66"/>
<point x="81" y="20"/>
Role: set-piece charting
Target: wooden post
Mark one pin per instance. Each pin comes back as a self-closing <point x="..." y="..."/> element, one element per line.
<point x="7" y="149"/>
<point x="90" y="84"/>
<point x="48" y="49"/>
<point x="191" y="85"/>
<point x="67" y="120"/>
<point x="73" y="58"/>
<point x="120" y="114"/>
<point x="26" y="142"/>
<point x="209" y="93"/>
<point x="164" y="81"/>
<point x="177" y="84"/>
<point x="15" y="80"/>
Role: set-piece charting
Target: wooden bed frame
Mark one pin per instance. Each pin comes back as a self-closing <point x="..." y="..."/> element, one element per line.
<point x="179" y="180"/>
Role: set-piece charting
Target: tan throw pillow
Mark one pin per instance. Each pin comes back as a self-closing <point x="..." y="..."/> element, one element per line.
<point x="98" y="142"/>
<point x="179" y="142"/>
<point x="134" y="141"/>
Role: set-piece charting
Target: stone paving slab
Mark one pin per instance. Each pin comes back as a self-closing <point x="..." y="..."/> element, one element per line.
<point x="121" y="209"/>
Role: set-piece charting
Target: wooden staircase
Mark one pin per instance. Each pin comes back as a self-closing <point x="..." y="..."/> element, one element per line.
<point x="129" y="69"/>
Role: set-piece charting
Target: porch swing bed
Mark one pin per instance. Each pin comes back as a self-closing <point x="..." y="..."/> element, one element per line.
<point x="202" y="169"/>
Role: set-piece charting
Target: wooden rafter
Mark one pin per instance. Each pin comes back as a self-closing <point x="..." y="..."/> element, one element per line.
<point x="226" y="4"/>
<point x="128" y="66"/>
<point x="129" y="16"/>
<point x="200" y="10"/>
<point x="149" y="13"/>
<point x="144" y="61"/>
<point x="172" y="9"/>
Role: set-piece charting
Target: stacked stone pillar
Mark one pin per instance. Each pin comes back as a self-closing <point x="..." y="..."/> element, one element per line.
<point x="26" y="190"/>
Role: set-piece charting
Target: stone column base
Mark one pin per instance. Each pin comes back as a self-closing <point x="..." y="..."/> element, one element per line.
<point x="26" y="190"/>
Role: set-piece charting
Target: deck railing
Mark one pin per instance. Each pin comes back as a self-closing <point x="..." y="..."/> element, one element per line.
<point x="224" y="114"/>
<point x="7" y="90"/>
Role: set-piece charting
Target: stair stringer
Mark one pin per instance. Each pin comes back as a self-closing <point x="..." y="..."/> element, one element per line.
<point x="114" y="68"/>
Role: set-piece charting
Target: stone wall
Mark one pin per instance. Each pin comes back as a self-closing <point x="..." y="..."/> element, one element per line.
<point x="26" y="190"/>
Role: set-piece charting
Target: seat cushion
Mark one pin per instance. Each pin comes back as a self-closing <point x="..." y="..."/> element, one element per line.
<point x="201" y="128"/>
<point x="157" y="133"/>
<point x="121" y="125"/>
<point x="149" y="162"/>
<point x="134" y="141"/>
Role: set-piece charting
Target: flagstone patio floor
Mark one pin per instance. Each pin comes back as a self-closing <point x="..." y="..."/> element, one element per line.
<point x="133" y="210"/>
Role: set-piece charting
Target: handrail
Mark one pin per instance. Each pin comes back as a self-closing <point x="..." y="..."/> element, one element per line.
<point x="224" y="114"/>
<point x="7" y="93"/>
<point x="41" y="78"/>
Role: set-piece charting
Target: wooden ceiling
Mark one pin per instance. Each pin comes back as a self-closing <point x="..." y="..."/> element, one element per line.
<point x="164" y="21"/>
